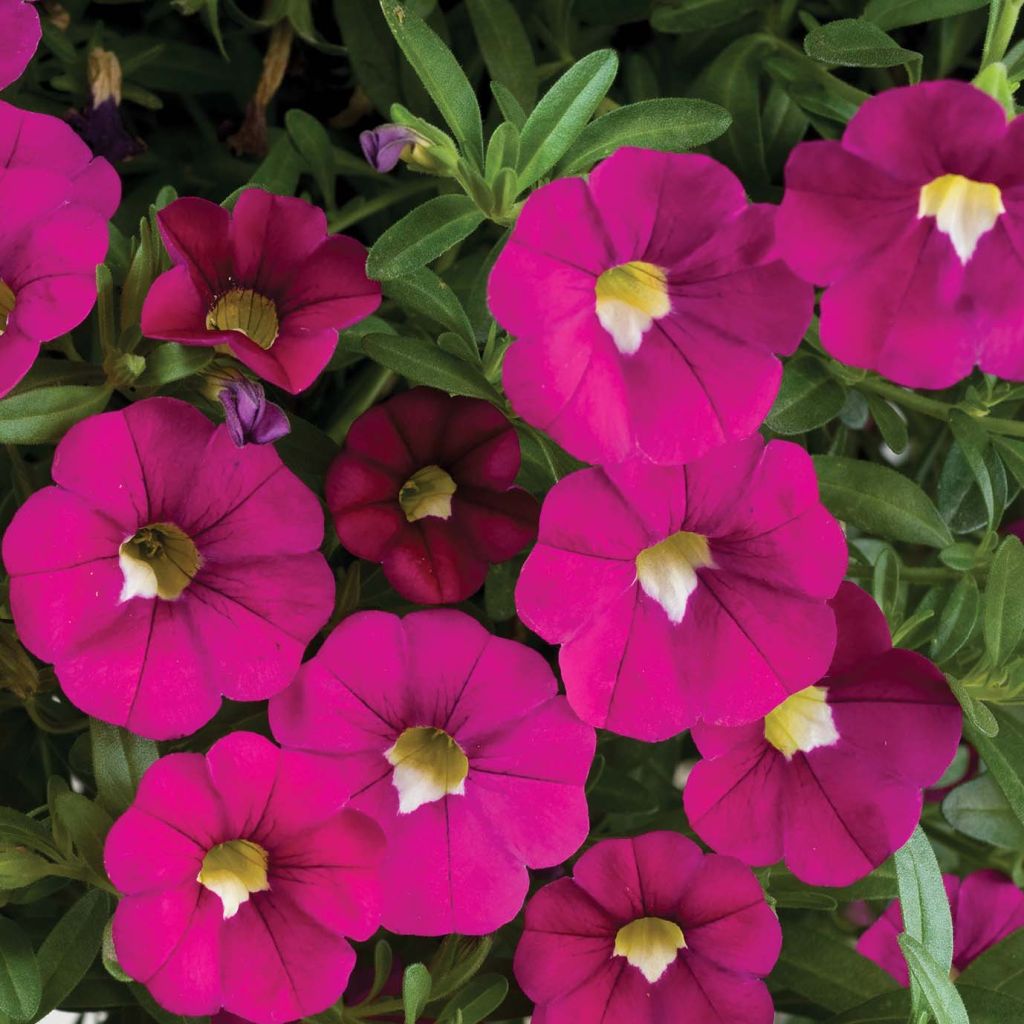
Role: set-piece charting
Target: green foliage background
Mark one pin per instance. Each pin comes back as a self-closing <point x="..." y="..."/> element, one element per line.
<point x="513" y="93"/>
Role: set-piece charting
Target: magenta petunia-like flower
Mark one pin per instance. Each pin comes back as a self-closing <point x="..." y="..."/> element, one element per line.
<point x="649" y="306"/>
<point x="167" y="567"/>
<point x="686" y="592"/>
<point x="54" y="203"/>
<point x="831" y="780"/>
<point x="915" y="223"/>
<point x="40" y="143"/>
<point x="425" y="487"/>
<point x="265" y="280"/>
<point x="21" y="32"/>
<point x="650" y="930"/>
<point x="986" y="907"/>
<point x="243" y="879"/>
<point x="457" y="743"/>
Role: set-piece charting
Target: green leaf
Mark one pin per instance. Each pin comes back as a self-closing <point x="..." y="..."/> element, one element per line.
<point x="508" y="105"/>
<point x="700" y="15"/>
<point x="889" y="1008"/>
<point x="422" y="235"/>
<point x="505" y="47"/>
<point x="1004" y="755"/>
<point x="424" y="293"/>
<point x="808" y="397"/>
<point x="170" y="362"/>
<point x="19" y="868"/>
<point x="310" y="139"/>
<point x="923" y="900"/>
<point x="441" y="75"/>
<point x="480" y="998"/>
<point x="820" y="965"/>
<point x="502" y="151"/>
<point x="119" y="759"/>
<point x="880" y="501"/>
<point x="885" y="582"/>
<point x="938" y="992"/>
<point x="959" y="616"/>
<point x="855" y="43"/>
<point x="1012" y="455"/>
<point x="20" y="987"/>
<point x="278" y="173"/>
<point x="371" y="50"/>
<point x="897" y="13"/>
<point x="109" y="954"/>
<point x="48" y="402"/>
<point x="69" y="950"/>
<point x="416" y="987"/>
<point x="561" y="115"/>
<point x="979" y="809"/>
<point x="668" y="124"/>
<point x="891" y="425"/>
<point x="1003" y="616"/>
<point x="543" y="462"/>
<point x="960" y="500"/>
<point x="499" y="590"/>
<point x="87" y="825"/>
<point x="383" y="959"/>
<point x="157" y="1012"/>
<point x="972" y="439"/>
<point x="422" y="362"/>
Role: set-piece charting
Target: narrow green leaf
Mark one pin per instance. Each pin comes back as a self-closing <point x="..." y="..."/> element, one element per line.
<point x="441" y="75"/>
<point x="119" y="759"/>
<point x="87" y="824"/>
<point x="422" y="235"/>
<point x="891" y="425"/>
<point x="880" y="501"/>
<point x="170" y="362"/>
<point x="416" y="987"/>
<point x="897" y="13"/>
<point x="1003" y="621"/>
<point x="69" y="950"/>
<point x="20" y="987"/>
<point x="972" y="438"/>
<point x="423" y="293"/>
<point x="42" y="415"/>
<point x="476" y="1001"/>
<point x="561" y="115"/>
<point x="808" y="397"/>
<point x="923" y="901"/>
<point x="1012" y="455"/>
<point x="855" y="43"/>
<point x="508" y="105"/>
<point x="371" y="50"/>
<point x="979" y="809"/>
<point x="938" y="991"/>
<point x="1004" y="755"/>
<point x="502" y="150"/>
<point x="700" y="15"/>
<point x="310" y="138"/>
<point x="422" y="362"/>
<point x="668" y="124"/>
<point x="505" y="47"/>
<point x="958" y="619"/>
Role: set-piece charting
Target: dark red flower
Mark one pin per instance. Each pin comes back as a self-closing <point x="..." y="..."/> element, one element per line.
<point x="425" y="487"/>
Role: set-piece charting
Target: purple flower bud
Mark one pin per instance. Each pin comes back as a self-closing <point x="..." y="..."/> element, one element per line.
<point x="383" y="146"/>
<point x="249" y="417"/>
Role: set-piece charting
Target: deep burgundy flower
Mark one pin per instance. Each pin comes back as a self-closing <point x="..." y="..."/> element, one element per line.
<point x="425" y="487"/>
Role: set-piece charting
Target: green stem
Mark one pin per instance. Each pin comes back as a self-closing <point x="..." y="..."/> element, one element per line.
<point x="909" y="574"/>
<point x="350" y="215"/>
<point x="1001" y="26"/>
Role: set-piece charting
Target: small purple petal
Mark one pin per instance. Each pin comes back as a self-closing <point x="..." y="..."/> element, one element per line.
<point x="383" y="146"/>
<point x="249" y="417"/>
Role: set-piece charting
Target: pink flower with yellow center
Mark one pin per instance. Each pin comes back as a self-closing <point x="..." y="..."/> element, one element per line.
<point x="686" y="592"/>
<point x="55" y="200"/>
<point x="167" y="567"/>
<point x="265" y="280"/>
<point x="457" y="743"/>
<point x="831" y="780"/>
<point x="648" y="306"/>
<point x="914" y="222"/>
<point x="650" y="930"/>
<point x="243" y="879"/>
<point x="425" y="487"/>
<point x="986" y="908"/>
<point x="20" y="30"/>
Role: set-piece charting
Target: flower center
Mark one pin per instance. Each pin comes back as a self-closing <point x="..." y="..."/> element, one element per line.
<point x="801" y="722"/>
<point x="159" y="560"/>
<point x="429" y="765"/>
<point x="247" y="312"/>
<point x="963" y="209"/>
<point x="630" y="297"/>
<point x="650" y="944"/>
<point x="6" y="304"/>
<point x="234" y="871"/>
<point x="428" y="492"/>
<point x="667" y="571"/>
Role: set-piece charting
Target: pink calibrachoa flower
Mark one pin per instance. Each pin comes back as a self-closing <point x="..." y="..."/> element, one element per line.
<point x="686" y="592"/>
<point x="650" y="930"/>
<point x="243" y="878"/>
<point x="425" y="487"/>
<point x="986" y="908"/>
<point x="40" y="143"/>
<point x="266" y="280"/>
<point x="20" y="30"/>
<point x="831" y="780"/>
<point x="915" y="222"/>
<point x="457" y="743"/>
<point x="54" y="203"/>
<point x="167" y="567"/>
<point x="649" y="306"/>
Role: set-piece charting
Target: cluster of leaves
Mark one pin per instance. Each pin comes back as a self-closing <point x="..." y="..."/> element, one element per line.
<point x="512" y="93"/>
